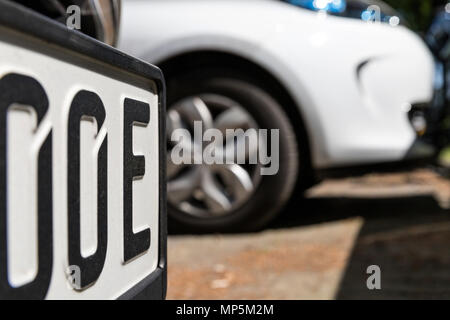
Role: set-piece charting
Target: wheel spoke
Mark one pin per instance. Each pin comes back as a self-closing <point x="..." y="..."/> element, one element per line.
<point x="173" y="121"/>
<point x="172" y="168"/>
<point x="184" y="141"/>
<point x="233" y="118"/>
<point x="214" y="197"/>
<point x="237" y="180"/>
<point x="195" y="109"/>
<point x="182" y="188"/>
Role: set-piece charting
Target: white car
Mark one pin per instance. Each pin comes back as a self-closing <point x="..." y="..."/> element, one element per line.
<point x="346" y="82"/>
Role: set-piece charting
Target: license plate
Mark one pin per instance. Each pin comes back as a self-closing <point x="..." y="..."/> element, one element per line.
<point x="82" y="196"/>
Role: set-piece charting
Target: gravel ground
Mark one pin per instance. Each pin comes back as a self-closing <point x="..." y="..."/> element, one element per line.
<point x="321" y="246"/>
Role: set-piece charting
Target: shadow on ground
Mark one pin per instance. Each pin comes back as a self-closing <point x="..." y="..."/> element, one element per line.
<point x="408" y="237"/>
<point x="322" y="245"/>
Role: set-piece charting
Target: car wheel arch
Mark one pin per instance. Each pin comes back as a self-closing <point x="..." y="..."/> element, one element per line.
<point x="245" y="69"/>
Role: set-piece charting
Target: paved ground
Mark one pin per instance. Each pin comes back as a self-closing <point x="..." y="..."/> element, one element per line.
<point x="321" y="246"/>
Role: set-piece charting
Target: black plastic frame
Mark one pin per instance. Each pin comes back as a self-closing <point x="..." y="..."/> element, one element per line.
<point x="24" y="20"/>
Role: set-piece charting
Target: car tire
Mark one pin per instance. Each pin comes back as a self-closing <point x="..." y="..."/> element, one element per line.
<point x="273" y="191"/>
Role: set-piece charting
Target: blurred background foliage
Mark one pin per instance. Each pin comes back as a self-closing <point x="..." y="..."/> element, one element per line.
<point x="418" y="13"/>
